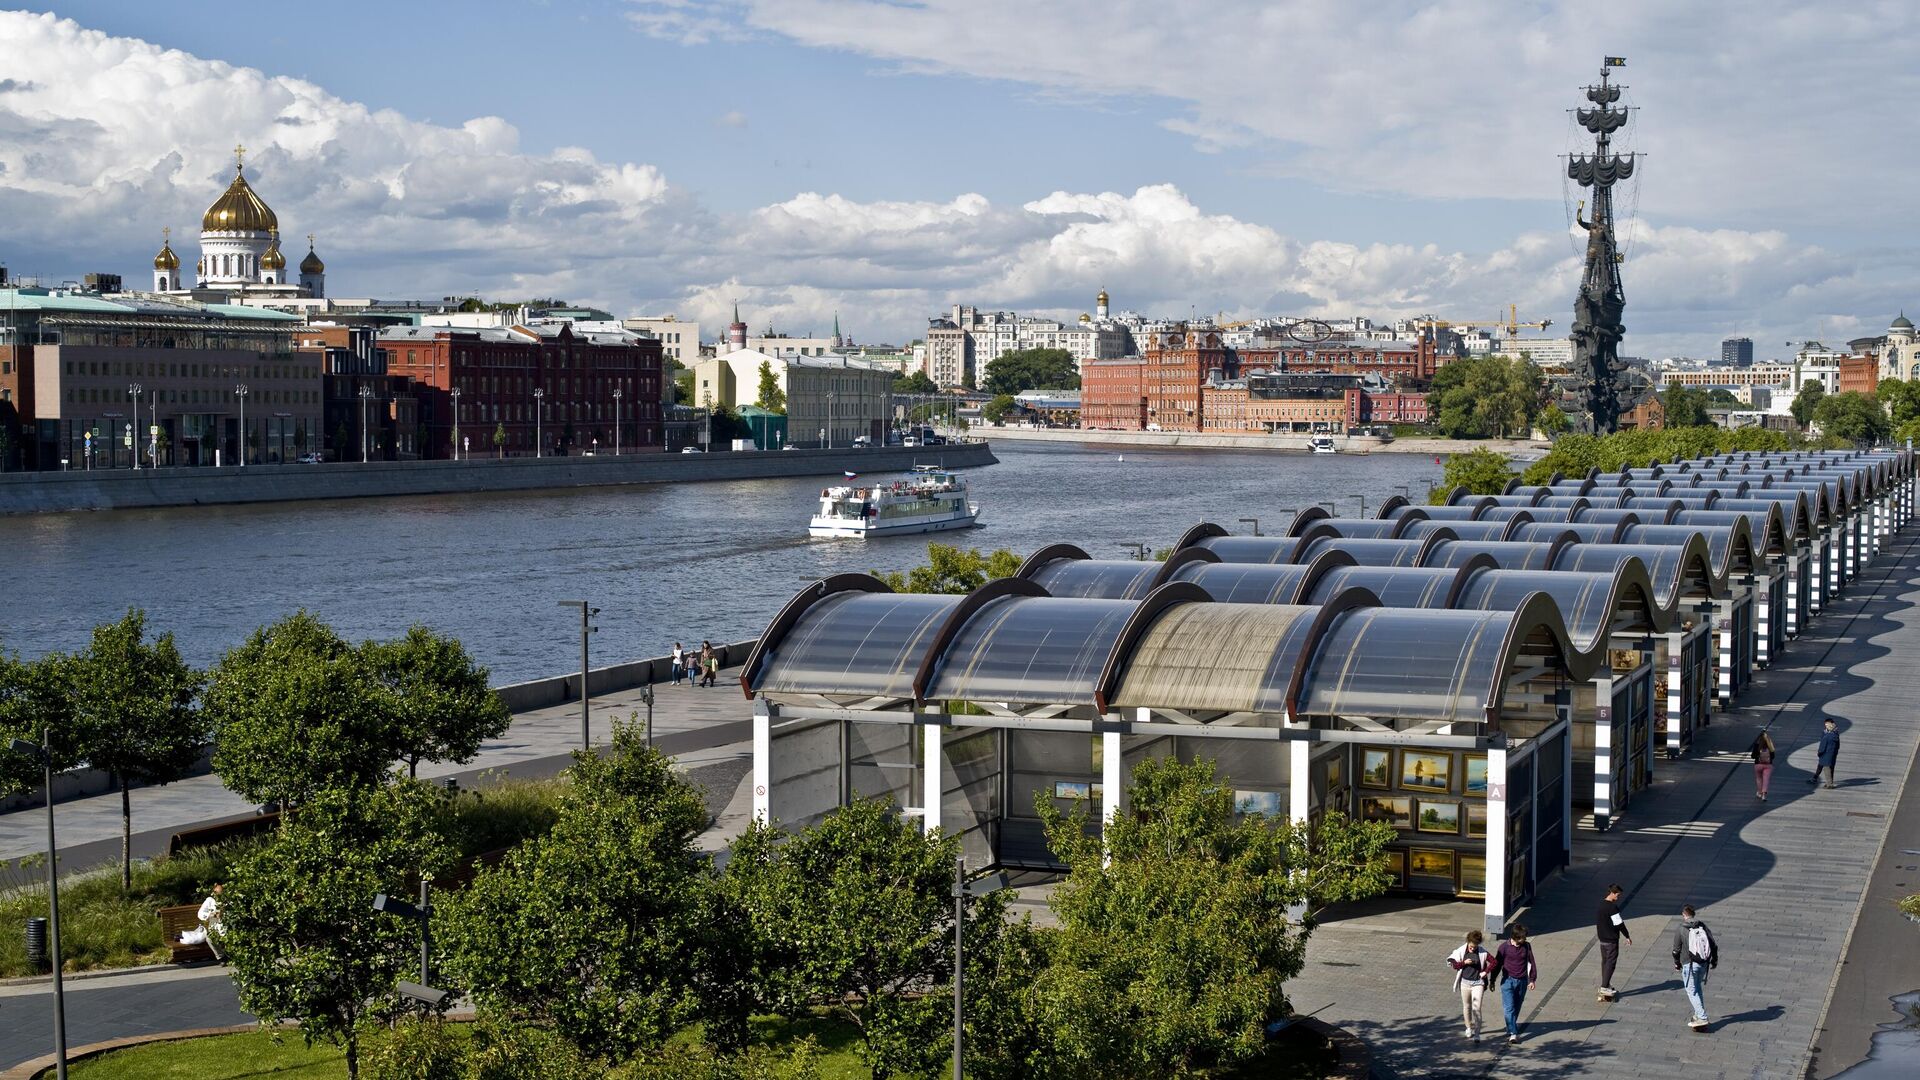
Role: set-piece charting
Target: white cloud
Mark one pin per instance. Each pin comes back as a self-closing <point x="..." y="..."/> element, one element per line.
<point x="732" y="119"/>
<point x="103" y="140"/>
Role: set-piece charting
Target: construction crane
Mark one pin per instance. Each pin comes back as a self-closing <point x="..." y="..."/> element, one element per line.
<point x="1511" y="324"/>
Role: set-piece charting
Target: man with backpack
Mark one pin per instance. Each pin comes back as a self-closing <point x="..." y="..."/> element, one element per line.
<point x="1694" y="954"/>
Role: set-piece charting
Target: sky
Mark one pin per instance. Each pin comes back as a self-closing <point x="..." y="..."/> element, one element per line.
<point x="884" y="159"/>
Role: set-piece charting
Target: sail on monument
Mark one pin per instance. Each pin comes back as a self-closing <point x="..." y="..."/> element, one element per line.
<point x="1601" y="304"/>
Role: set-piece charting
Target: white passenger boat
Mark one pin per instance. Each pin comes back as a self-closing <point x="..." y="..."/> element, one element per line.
<point x="930" y="500"/>
<point x="1322" y="444"/>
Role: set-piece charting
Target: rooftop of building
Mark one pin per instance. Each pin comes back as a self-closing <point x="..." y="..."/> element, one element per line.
<point x="131" y="305"/>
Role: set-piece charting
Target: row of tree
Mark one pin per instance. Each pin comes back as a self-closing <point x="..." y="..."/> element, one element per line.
<point x="1484" y="472"/>
<point x="292" y="711"/>
<point x="613" y="935"/>
<point x="1486" y="397"/>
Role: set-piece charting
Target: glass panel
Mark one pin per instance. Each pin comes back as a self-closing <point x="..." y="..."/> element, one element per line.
<point x="1217" y="657"/>
<point x="1465" y="530"/>
<point x="880" y="761"/>
<point x="1396" y="586"/>
<point x="1367" y="552"/>
<point x="1511" y="555"/>
<point x="1370" y="528"/>
<point x="1582" y="598"/>
<point x="970" y="781"/>
<point x="1098" y="579"/>
<point x="1407" y="663"/>
<point x="804" y="770"/>
<point x="1255" y="549"/>
<point x="1043" y="650"/>
<point x="1719" y="539"/>
<point x="1465" y="512"/>
<point x="1245" y="583"/>
<point x="1663" y="562"/>
<point x="1592" y="532"/>
<point x="856" y="643"/>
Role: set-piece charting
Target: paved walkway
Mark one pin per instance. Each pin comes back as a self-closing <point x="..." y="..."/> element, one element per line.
<point x="1781" y="884"/>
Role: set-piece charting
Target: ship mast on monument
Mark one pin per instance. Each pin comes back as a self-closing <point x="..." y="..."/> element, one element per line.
<point x="1597" y="311"/>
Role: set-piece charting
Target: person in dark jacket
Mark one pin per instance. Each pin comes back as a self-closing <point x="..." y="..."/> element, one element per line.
<point x="1611" y="928"/>
<point x="1829" y="752"/>
<point x="1515" y="973"/>
<point x="1694" y="954"/>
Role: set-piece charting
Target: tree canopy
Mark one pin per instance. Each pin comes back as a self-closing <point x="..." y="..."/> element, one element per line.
<point x="1576" y="455"/>
<point x="438" y="703"/>
<point x="1807" y="400"/>
<point x="1031" y="369"/>
<point x="952" y="570"/>
<point x="915" y="382"/>
<point x="1686" y="407"/>
<point x="771" y="397"/>
<point x="1852" y="416"/>
<point x="34" y="706"/>
<point x="1482" y="472"/>
<point x="1485" y="397"/>
<point x="1901" y="398"/>
<point x="996" y="410"/>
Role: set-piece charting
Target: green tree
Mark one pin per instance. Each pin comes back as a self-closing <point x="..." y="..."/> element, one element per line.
<point x="294" y="712"/>
<point x="772" y="398"/>
<point x="34" y="706"/>
<point x="915" y="382"/>
<point x="133" y="702"/>
<point x="606" y="929"/>
<point x="298" y="920"/>
<point x="1175" y="943"/>
<point x="855" y="912"/>
<point x="1553" y="421"/>
<point x="1485" y="397"/>
<point x="1719" y="397"/>
<point x="1901" y="398"/>
<point x="994" y="411"/>
<point x="1853" y="417"/>
<point x="439" y="706"/>
<point x="1685" y="407"/>
<point x="1807" y="400"/>
<point x="725" y="425"/>
<point x="1907" y="432"/>
<point x="952" y="570"/>
<point x="1032" y="369"/>
<point x="1482" y="472"/>
<point x="500" y="440"/>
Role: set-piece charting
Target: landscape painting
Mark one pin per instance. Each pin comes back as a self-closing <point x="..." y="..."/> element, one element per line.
<point x="1421" y="770"/>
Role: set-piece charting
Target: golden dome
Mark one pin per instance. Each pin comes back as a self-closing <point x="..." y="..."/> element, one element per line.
<point x="239" y="210"/>
<point x="273" y="260"/>
<point x="1103" y="296"/>
<point x="312" y="264"/>
<point x="166" y="260"/>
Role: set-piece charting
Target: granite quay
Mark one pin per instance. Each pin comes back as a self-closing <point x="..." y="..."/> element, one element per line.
<point x="43" y="492"/>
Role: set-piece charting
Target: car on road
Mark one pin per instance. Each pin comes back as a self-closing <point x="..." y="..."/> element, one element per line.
<point x="909" y="441"/>
<point x="691" y="450"/>
<point x="311" y="459"/>
<point x="861" y="442"/>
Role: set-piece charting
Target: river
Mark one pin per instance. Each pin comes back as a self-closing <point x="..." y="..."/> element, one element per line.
<point x="682" y="561"/>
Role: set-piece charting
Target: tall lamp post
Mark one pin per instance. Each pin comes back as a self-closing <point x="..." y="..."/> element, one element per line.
<point x="1363" y="503"/>
<point x="829" y="419"/>
<point x="366" y="395"/>
<point x="422" y="991"/>
<point x="240" y="391"/>
<point x="44" y="754"/>
<point x="616" y="421"/>
<point x="133" y="392"/>
<point x="1255" y="522"/>
<point x="962" y="888"/>
<point x="539" y="414"/>
<point x="586" y="628"/>
<point x="456" y="423"/>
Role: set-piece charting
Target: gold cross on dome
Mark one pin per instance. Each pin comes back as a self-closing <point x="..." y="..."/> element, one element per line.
<point x="309" y="241"/>
<point x="166" y="232"/>
<point x="239" y="156"/>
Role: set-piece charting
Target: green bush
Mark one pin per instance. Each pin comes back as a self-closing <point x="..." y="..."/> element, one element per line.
<point x="417" y="1049"/>
<point x="507" y="1051"/>
<point x="696" y="1062"/>
<point x="490" y="818"/>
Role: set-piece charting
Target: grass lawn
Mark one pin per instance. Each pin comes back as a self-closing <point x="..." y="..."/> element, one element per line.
<point x="284" y="1056"/>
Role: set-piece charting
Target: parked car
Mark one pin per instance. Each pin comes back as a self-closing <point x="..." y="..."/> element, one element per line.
<point x="691" y="450"/>
<point x="861" y="442"/>
<point x="909" y="441"/>
<point x="1153" y="427"/>
<point x="311" y="459"/>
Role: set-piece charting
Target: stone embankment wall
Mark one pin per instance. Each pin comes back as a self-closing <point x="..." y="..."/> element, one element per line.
<point x="1348" y="444"/>
<point x="53" y="492"/>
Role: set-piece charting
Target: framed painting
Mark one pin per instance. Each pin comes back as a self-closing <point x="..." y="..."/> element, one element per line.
<point x="1071" y="789"/>
<point x="1332" y="768"/>
<point x="1437" y="816"/>
<point x="1474" y="779"/>
<point x="1430" y="863"/>
<point x="1395" y="810"/>
<point x="1476" y="819"/>
<point x="1473" y="875"/>
<point x="1376" y="768"/>
<point x="1257" y="802"/>
<point x="1426" y="770"/>
<point x="1396" y="860"/>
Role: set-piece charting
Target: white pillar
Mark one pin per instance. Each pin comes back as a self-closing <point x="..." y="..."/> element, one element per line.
<point x="1111" y="774"/>
<point x="1723" y="631"/>
<point x="1763" y="616"/>
<point x="1816" y="575"/>
<point x="762" y="762"/>
<point x="1299" y="775"/>
<point x="1675" y="671"/>
<point x="932" y="787"/>
<point x="1603" y="763"/>
<point x="1795" y="561"/>
<point x="1494" y="909"/>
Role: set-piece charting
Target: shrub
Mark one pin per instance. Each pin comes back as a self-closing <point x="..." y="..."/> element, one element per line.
<point x="503" y="1050"/>
<point x="417" y="1049"/>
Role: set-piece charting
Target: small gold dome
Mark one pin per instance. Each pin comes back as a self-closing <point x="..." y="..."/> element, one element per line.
<point x="273" y="260"/>
<point x="1103" y="296"/>
<point x="312" y="264"/>
<point x="239" y="210"/>
<point x="166" y="260"/>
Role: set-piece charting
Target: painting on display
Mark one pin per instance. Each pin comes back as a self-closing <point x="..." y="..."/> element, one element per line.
<point x="1071" y="789"/>
<point x="1476" y="819"/>
<point x="1396" y="868"/>
<point x="1475" y="779"/>
<point x="1394" y="810"/>
<point x="1430" y="862"/>
<point x="1334" y="773"/>
<point x="1257" y="802"/>
<point x="1473" y="875"/>
<point x="1438" y="816"/>
<point x="1376" y="768"/>
<point x="1422" y="770"/>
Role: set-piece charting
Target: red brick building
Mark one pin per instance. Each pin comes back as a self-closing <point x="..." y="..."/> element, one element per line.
<point x="497" y="371"/>
<point x="1859" y="374"/>
<point x="1113" y="394"/>
<point x="1397" y="362"/>
<point x="1179" y="364"/>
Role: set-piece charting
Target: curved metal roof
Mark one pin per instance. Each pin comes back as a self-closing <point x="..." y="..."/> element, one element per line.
<point x="1267" y="549"/>
<point x="1676" y="571"/>
<point x="1587" y="532"/>
<point x="1593" y="604"/>
<point x="1510" y="554"/>
<point x="1407" y="551"/>
<point x="1463" y="508"/>
<point x="1397" y="586"/>
<point x="1731" y="545"/>
<point x="1602" y="515"/>
<point x="1202" y="658"/>
<point x="1766" y="525"/>
<point x="1654" y="509"/>
<point x="1470" y="530"/>
<point x="1262" y="583"/>
<point x="848" y="634"/>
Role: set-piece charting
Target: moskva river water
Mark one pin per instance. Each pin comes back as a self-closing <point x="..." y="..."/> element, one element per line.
<point x="663" y="563"/>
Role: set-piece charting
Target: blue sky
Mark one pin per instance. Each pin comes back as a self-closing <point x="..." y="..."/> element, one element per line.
<point x="885" y="160"/>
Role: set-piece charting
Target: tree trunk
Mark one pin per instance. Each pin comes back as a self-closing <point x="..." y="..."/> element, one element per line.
<point x="413" y="768"/>
<point x="126" y="837"/>
<point x="353" y="1056"/>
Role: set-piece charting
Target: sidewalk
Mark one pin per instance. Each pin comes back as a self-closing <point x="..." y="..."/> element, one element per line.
<point x="536" y="735"/>
<point x="1780" y="883"/>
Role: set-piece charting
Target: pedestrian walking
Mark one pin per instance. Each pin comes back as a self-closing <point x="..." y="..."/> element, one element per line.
<point x="713" y="668"/>
<point x="1694" y="954"/>
<point x="1469" y="964"/>
<point x="1515" y="973"/>
<point x="1829" y="753"/>
<point x="1611" y="928"/>
<point x="679" y="663"/>
<point x="1762" y="750"/>
<point x="707" y="664"/>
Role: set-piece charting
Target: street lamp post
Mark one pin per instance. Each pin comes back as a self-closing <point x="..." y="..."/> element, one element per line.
<point x="366" y="395"/>
<point x="1332" y="508"/>
<point x="1255" y="522"/>
<point x="539" y="414"/>
<point x="829" y="419"/>
<point x="1363" y="503"/>
<point x="456" y="423"/>
<point x="616" y="421"/>
<point x="133" y="391"/>
<point x="1139" y="551"/>
<point x="586" y="628"/>
<point x="240" y="391"/>
<point x="44" y="754"/>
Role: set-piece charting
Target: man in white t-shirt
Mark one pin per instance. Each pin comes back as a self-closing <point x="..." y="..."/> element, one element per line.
<point x="210" y="920"/>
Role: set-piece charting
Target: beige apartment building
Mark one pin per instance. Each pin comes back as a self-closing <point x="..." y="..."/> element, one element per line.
<point x="831" y="400"/>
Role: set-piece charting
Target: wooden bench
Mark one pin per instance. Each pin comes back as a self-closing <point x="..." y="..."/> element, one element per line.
<point x="227" y="830"/>
<point x="175" y="921"/>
